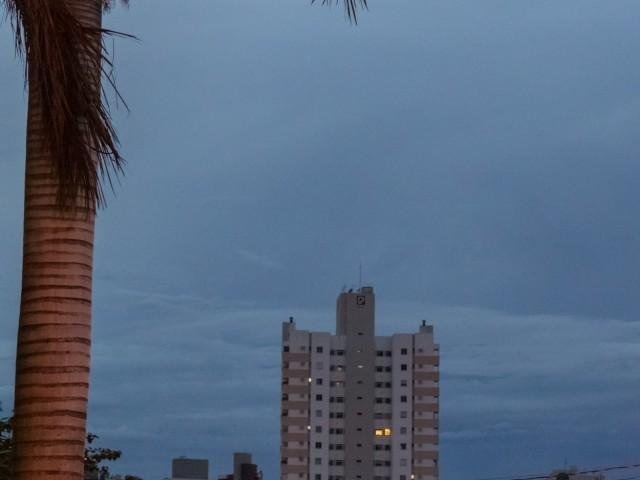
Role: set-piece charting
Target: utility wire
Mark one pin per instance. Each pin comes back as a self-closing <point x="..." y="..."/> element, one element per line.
<point x="547" y="475"/>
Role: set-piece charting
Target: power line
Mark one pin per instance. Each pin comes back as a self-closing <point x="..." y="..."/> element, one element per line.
<point x="547" y="475"/>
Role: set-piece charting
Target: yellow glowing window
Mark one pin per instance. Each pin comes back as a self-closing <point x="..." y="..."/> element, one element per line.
<point x="387" y="432"/>
<point x="379" y="432"/>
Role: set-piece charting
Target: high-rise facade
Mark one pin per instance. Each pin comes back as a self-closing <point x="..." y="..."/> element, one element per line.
<point x="356" y="406"/>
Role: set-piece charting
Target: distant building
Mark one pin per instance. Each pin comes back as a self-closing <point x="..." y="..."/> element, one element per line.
<point x="572" y="473"/>
<point x="356" y="406"/>
<point x="243" y="468"/>
<point x="183" y="468"/>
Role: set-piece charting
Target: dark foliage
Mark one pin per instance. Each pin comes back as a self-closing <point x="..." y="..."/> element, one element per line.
<point x="94" y="457"/>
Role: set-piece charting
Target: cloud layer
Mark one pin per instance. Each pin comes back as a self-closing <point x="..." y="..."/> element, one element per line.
<point x="479" y="159"/>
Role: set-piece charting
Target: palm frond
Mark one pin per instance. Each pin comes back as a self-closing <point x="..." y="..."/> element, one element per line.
<point x="64" y="62"/>
<point x="108" y="4"/>
<point x="351" y="7"/>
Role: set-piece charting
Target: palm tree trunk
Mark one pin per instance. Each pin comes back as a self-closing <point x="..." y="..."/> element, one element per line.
<point x="54" y="338"/>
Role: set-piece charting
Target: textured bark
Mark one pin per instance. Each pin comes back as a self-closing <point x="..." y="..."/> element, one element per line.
<point x="54" y="338"/>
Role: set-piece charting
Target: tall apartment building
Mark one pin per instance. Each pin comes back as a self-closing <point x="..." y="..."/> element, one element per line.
<point x="356" y="406"/>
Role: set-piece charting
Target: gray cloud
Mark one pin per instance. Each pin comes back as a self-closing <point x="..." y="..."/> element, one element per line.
<point x="478" y="159"/>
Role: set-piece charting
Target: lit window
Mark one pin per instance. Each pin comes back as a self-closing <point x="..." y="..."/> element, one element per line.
<point x="379" y="432"/>
<point x="387" y="432"/>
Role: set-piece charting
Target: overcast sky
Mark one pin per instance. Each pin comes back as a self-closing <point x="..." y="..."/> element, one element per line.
<point x="479" y="158"/>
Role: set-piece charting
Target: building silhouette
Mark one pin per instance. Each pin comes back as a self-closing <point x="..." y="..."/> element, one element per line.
<point x="243" y="468"/>
<point x="183" y="468"/>
<point x="356" y="406"/>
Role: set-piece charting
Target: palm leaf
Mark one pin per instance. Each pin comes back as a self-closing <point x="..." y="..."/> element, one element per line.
<point x="351" y="7"/>
<point x="64" y="63"/>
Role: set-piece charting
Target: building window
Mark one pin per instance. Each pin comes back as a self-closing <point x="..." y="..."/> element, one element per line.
<point x="318" y="413"/>
<point x="318" y="349"/>
<point x="403" y="351"/>
<point x="403" y="366"/>
<point x="403" y="398"/>
<point x="403" y="430"/>
<point x="319" y="365"/>
<point x="285" y="348"/>
<point x="318" y="429"/>
<point x="403" y="383"/>
<point x="318" y="461"/>
<point x="319" y="396"/>
<point x="403" y="446"/>
<point x="318" y="381"/>
<point x="403" y="414"/>
<point x="319" y="444"/>
<point x="318" y="476"/>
